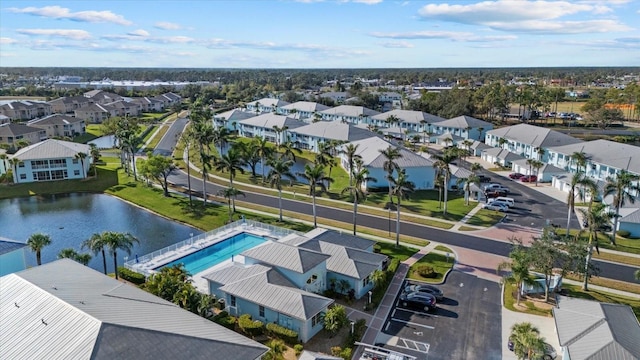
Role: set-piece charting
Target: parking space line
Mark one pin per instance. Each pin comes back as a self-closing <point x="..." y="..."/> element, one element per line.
<point x="413" y="345"/>
<point x="415" y="312"/>
<point x="412" y="323"/>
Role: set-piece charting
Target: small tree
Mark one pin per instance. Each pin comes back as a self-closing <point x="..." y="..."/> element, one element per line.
<point x="335" y="318"/>
<point x="36" y="242"/>
<point x="519" y="266"/>
<point x="526" y="340"/>
<point x="544" y="255"/>
<point x="158" y="168"/>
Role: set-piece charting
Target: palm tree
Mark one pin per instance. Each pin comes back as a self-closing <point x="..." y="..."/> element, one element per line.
<point x="540" y="151"/>
<point x="280" y="169"/>
<point x="537" y="164"/>
<point x="580" y="159"/>
<point x="36" y="242"/>
<point x="466" y="186"/>
<point x="624" y="187"/>
<point x="577" y="179"/>
<point x="279" y="130"/>
<point x="81" y="156"/>
<point x="325" y="158"/>
<point x="264" y="151"/>
<point x="14" y="162"/>
<point x="186" y="139"/>
<point x="70" y="253"/>
<point x="442" y="168"/>
<point x="475" y="167"/>
<point x="390" y="154"/>
<point x="231" y="162"/>
<point x="402" y="187"/>
<point x="480" y="130"/>
<point x="220" y="137"/>
<point x="356" y="191"/>
<point x="316" y="177"/>
<point x="118" y="241"/>
<point x="289" y="150"/>
<point x="526" y="340"/>
<point x="595" y="218"/>
<point x="231" y="194"/>
<point x="95" y="156"/>
<point x="519" y="266"/>
<point x="96" y="244"/>
<point x="351" y="151"/>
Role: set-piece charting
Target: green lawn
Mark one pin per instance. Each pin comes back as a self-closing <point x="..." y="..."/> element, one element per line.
<point x="529" y="306"/>
<point x="441" y="264"/>
<point x="401" y="252"/>
<point x="485" y="218"/>
<point x="622" y="244"/>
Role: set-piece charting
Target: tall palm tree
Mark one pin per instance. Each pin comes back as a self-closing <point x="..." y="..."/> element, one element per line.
<point x="118" y="241"/>
<point x="220" y="137"/>
<point x="316" y="177"/>
<point x="624" y="187"/>
<point x="325" y="158"/>
<point x="264" y="151"/>
<point x="289" y="150"/>
<point x="231" y="194"/>
<point x="230" y="162"/>
<point x="95" y="156"/>
<point x="475" y="167"/>
<point x="187" y="139"/>
<point x="279" y="130"/>
<point x="442" y="168"/>
<point x="577" y="179"/>
<point x="70" y="253"/>
<point x="203" y="135"/>
<point x="526" y="340"/>
<point x="360" y="177"/>
<point x="466" y="186"/>
<point x="96" y="244"/>
<point x="280" y="169"/>
<point x="351" y="152"/>
<point x="36" y="242"/>
<point x="402" y="187"/>
<point x="14" y="162"/>
<point x="595" y="219"/>
<point x="390" y="165"/>
<point x="580" y="159"/>
<point x="519" y="266"/>
<point x="81" y="156"/>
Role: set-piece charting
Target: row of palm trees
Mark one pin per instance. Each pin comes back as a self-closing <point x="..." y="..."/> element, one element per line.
<point x="98" y="243"/>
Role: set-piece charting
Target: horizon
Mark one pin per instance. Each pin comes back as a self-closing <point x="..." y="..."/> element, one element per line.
<point x="344" y="34"/>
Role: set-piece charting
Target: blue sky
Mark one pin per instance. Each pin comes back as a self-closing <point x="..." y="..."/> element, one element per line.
<point x="319" y="34"/>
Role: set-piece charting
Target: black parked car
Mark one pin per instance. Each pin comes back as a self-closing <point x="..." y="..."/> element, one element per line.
<point x="420" y="300"/>
<point x="484" y="179"/>
<point x="428" y="289"/>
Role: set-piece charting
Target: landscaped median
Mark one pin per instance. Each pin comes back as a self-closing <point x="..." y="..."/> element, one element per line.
<point x="434" y="266"/>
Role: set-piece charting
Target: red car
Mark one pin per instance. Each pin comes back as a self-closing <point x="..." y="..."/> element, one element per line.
<point x="516" y="175"/>
<point x="529" y="178"/>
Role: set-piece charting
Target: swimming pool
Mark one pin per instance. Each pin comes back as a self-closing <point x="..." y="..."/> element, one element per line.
<point x="217" y="253"/>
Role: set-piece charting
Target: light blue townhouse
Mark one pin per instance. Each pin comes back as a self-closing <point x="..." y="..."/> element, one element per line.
<point x="12" y="256"/>
<point x="349" y="114"/>
<point x="274" y="128"/>
<point x="466" y="127"/>
<point x="303" y="110"/>
<point x="413" y="122"/>
<point x="230" y="119"/>
<point x="310" y="136"/>
<point x="265" y="105"/>
<point x="52" y="160"/>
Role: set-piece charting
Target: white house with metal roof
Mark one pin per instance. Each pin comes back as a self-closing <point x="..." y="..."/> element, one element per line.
<point x="52" y="160"/>
<point x="310" y="136"/>
<point x="466" y="127"/>
<point x="265" y="105"/>
<point x="528" y="141"/>
<point x="419" y="169"/>
<point x="545" y="174"/>
<point x="67" y="310"/>
<point x="349" y="114"/>
<point x="591" y="330"/>
<point x="229" y="119"/>
<point x="630" y="220"/>
<point x="12" y="256"/>
<point x="303" y="110"/>
<point x="265" y="126"/>
<point x="413" y="121"/>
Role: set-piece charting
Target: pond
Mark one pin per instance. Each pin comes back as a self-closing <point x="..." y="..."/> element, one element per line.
<point x="104" y="142"/>
<point x="70" y="219"/>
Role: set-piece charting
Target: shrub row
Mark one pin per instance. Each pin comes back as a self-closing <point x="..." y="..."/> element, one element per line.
<point x="131" y="276"/>
<point x="288" y="335"/>
<point x="226" y="320"/>
<point x="250" y="327"/>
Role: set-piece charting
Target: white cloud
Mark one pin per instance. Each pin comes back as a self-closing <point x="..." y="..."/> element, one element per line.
<point x="139" y="32"/>
<point x="62" y="33"/>
<point x="397" y="45"/>
<point x="7" y="41"/>
<point x="167" y="25"/>
<point x="451" y="35"/>
<point x="563" y="27"/>
<point x="57" y="12"/>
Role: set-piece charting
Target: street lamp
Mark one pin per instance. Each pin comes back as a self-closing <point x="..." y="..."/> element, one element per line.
<point x="352" y="327"/>
<point x="370" y="293"/>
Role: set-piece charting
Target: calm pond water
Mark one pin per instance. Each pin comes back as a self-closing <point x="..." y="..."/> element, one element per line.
<point x="72" y="218"/>
<point x="104" y="142"/>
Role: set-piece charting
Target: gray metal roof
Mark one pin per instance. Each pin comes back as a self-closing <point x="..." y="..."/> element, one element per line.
<point x="14" y="129"/>
<point x="270" y="120"/>
<point x="271" y="102"/>
<point x="272" y="290"/>
<point x="354" y="263"/>
<point x="7" y="246"/>
<point x="234" y="272"/>
<point x="546" y="168"/>
<point x="308" y="106"/>
<point x="234" y="114"/>
<point x="451" y="136"/>
<point x="609" y="153"/>
<point x="61" y="308"/>
<point x="344" y="239"/>
<point x="503" y="154"/>
<point x="479" y="145"/>
<point x="310" y="355"/>
<point x="350" y="110"/>
<point x="633" y="218"/>
<point x="369" y="149"/>
<point x="597" y="331"/>
<point x="410" y="116"/>
<point x="534" y="135"/>
<point x="55" y="119"/>
<point x="52" y="149"/>
<point x="334" y="130"/>
<point x="286" y="256"/>
<point x="463" y="122"/>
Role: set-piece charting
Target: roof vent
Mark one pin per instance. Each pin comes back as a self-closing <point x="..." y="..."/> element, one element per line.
<point x="54" y="287"/>
<point x="16" y="304"/>
<point x="44" y="322"/>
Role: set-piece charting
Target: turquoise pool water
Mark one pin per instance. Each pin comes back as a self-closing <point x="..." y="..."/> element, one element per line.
<point x="217" y="253"/>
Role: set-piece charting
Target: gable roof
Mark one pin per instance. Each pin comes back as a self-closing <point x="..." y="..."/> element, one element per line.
<point x="75" y="312"/>
<point x="343" y="239"/>
<point x="546" y="168"/>
<point x="477" y="145"/>
<point x="350" y="110"/>
<point x="633" y="217"/>
<point x="51" y="149"/>
<point x="7" y="246"/>
<point x="55" y="119"/>
<point x="502" y="154"/>
<point x="410" y="116"/>
<point x="286" y="256"/>
<point x="369" y="149"/>
<point x="462" y="122"/>
<point x="308" y="106"/>
<point x="310" y="355"/>
<point x="354" y="263"/>
<point x="14" y="129"/>
<point x="270" y="102"/>
<point x="534" y="135"/>
<point x="235" y="114"/>
<point x="597" y="331"/>
<point x="272" y="290"/>
<point x="606" y="152"/>
<point x="270" y="120"/>
<point x="334" y="130"/>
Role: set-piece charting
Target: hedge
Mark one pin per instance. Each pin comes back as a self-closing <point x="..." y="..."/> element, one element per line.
<point x="131" y="276"/>
<point x="224" y="319"/>
<point x="288" y="335"/>
<point x="250" y="327"/>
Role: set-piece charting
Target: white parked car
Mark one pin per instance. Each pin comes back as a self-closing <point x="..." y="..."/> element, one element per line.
<point x="496" y="207"/>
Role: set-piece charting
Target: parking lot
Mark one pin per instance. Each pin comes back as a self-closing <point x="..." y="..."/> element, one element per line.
<point x="465" y="325"/>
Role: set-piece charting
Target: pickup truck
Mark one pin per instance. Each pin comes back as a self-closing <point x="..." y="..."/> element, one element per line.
<point x="495" y="187"/>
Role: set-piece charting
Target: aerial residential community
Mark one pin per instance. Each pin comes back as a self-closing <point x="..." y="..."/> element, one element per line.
<point x="352" y="207"/>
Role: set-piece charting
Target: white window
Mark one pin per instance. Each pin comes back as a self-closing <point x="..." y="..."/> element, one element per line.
<point x="76" y="172"/>
<point x="233" y="300"/>
<point x="261" y="311"/>
<point x="23" y="176"/>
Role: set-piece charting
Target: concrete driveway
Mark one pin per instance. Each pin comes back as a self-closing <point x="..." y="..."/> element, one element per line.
<point x="546" y="325"/>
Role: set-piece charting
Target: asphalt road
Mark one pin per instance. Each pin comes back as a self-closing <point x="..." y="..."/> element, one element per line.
<point x="466" y="324"/>
<point x="169" y="140"/>
<point x="179" y="178"/>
